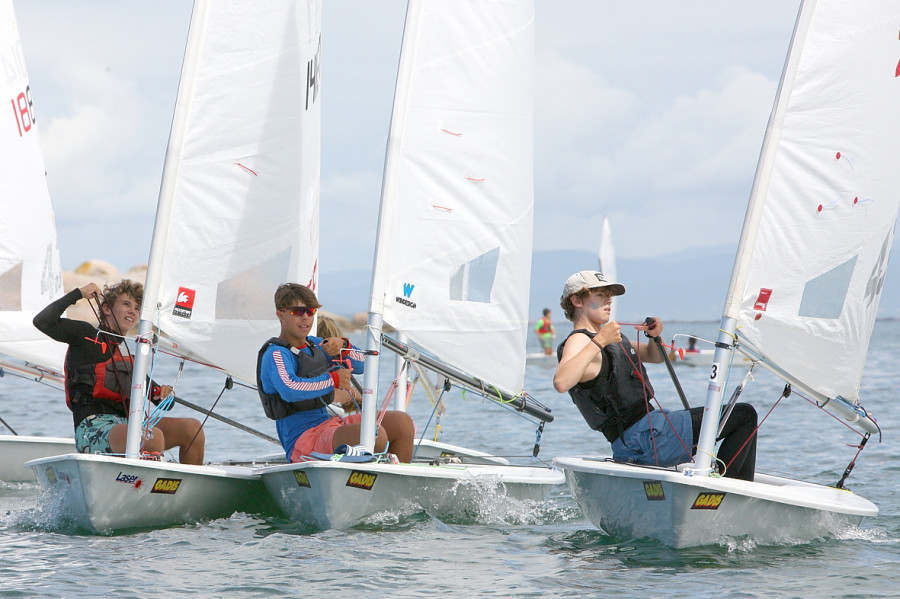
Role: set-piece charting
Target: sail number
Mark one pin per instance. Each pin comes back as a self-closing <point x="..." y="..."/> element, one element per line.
<point x="313" y="76"/>
<point x="23" y="110"/>
<point x="714" y="377"/>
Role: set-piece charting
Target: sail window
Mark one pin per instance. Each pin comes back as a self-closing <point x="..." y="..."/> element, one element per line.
<point x="11" y="288"/>
<point x="823" y="296"/>
<point x="474" y="280"/>
<point x="248" y="295"/>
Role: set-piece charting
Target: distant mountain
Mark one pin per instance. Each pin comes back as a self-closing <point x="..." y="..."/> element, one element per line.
<point x="688" y="285"/>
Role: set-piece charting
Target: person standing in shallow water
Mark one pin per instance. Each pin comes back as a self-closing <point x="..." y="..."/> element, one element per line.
<point x="98" y="375"/>
<point x="545" y="331"/>
<point x="604" y="374"/>
<point x="299" y="375"/>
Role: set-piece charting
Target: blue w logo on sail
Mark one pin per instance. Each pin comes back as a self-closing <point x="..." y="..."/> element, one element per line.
<point x="407" y="292"/>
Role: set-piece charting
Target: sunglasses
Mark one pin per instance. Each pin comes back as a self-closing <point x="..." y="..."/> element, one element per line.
<point x="299" y="310"/>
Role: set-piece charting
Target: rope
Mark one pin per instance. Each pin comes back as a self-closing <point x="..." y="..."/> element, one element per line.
<point x="439" y="402"/>
<point x="636" y="368"/>
<point x="227" y="386"/>
<point x="784" y="393"/>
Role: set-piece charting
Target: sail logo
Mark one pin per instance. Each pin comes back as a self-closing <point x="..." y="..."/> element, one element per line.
<point x="708" y="501"/>
<point x="129" y="479"/>
<point x="879" y="271"/>
<point x="654" y="490"/>
<point x="407" y="293"/>
<point x="762" y="300"/>
<point x="166" y="485"/>
<point x="184" y="302"/>
<point x="301" y="478"/>
<point x="361" y="480"/>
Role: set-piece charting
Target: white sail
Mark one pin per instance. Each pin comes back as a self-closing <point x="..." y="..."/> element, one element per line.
<point x="30" y="275"/>
<point x="606" y="259"/>
<point x="453" y="258"/>
<point x="818" y="231"/>
<point x="239" y="203"/>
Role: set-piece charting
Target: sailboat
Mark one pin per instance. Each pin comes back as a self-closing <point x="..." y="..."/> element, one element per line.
<point x="606" y="259"/>
<point x="237" y="216"/>
<point x="452" y="264"/>
<point x="825" y="193"/>
<point x="30" y="274"/>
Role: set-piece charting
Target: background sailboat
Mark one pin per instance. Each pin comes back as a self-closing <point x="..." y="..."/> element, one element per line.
<point x="30" y="275"/>
<point x="452" y="261"/>
<point x="606" y="259"/>
<point x="237" y="216"/>
<point x="804" y="290"/>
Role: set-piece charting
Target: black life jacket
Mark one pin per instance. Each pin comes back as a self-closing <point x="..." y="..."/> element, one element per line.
<point x="308" y="366"/>
<point x="109" y="382"/>
<point x="616" y="398"/>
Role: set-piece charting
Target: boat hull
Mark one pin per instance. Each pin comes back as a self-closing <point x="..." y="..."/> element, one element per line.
<point x="629" y="501"/>
<point x="15" y="450"/>
<point x="104" y="494"/>
<point x="340" y="495"/>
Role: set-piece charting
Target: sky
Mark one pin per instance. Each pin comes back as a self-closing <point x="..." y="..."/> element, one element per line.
<point x="650" y="113"/>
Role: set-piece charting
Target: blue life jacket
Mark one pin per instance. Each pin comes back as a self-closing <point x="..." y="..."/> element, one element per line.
<point x="308" y="366"/>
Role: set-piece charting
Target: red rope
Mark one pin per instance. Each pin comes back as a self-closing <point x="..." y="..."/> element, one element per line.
<point x="637" y="371"/>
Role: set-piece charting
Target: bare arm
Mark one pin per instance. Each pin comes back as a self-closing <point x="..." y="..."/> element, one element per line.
<point x="649" y="350"/>
<point x="582" y="357"/>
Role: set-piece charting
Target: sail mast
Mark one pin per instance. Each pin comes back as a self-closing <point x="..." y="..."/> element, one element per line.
<point x="380" y="266"/>
<point x="161" y="229"/>
<point x="724" y="344"/>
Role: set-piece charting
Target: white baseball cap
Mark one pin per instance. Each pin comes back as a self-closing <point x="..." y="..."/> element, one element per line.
<point x="590" y="279"/>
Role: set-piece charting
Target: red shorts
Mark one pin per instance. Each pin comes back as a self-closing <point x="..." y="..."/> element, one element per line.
<point x="320" y="438"/>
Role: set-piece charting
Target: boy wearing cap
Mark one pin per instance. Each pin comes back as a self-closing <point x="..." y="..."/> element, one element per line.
<point x="603" y="372"/>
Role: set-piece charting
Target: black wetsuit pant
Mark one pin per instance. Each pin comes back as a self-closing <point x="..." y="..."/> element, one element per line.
<point x="741" y="425"/>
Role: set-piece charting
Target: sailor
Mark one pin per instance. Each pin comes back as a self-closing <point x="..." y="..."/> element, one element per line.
<point x="604" y="374"/>
<point x="546" y="332"/>
<point x="98" y="375"/>
<point x="298" y="376"/>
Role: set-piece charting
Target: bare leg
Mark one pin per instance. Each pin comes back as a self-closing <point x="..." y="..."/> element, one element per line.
<point x="400" y="431"/>
<point x="117" y="440"/>
<point x="187" y="435"/>
<point x="397" y="429"/>
<point x="349" y="434"/>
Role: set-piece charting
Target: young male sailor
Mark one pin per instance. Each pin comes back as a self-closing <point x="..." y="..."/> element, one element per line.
<point x="298" y="376"/>
<point x="98" y="375"/>
<point x="605" y="376"/>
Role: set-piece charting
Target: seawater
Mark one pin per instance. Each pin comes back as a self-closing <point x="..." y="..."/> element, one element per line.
<point x="512" y="550"/>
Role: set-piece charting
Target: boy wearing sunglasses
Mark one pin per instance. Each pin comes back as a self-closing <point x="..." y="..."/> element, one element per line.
<point x="299" y="375"/>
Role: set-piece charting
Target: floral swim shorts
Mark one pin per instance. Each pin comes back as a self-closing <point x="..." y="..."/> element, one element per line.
<point x="92" y="433"/>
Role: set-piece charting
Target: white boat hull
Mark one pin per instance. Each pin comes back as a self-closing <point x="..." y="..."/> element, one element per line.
<point x="628" y="502"/>
<point x="104" y="494"/>
<point x="340" y="495"/>
<point x="15" y="450"/>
